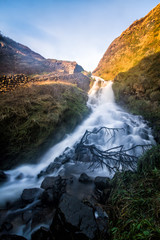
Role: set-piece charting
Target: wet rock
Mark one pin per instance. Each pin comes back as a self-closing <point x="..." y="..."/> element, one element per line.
<point x="127" y="128"/>
<point x="74" y="219"/>
<point x="50" y="169"/>
<point x="12" y="237"/>
<point x="42" y="234"/>
<point x="102" y="221"/>
<point x="144" y="134"/>
<point x="84" y="155"/>
<point x="102" y="183"/>
<point x="42" y="215"/>
<point x="50" y="197"/>
<point x="84" y="178"/>
<point x="29" y="195"/>
<point x="3" y="176"/>
<point x="20" y="176"/>
<point x="66" y="156"/>
<point x="7" y="226"/>
<point x="50" y="182"/>
<point x="26" y="216"/>
<point x="54" y="188"/>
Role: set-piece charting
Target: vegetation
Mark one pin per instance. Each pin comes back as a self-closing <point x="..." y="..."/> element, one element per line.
<point x="135" y="201"/>
<point x="140" y="40"/>
<point x="133" y="61"/>
<point x="139" y="90"/>
<point x="32" y="117"/>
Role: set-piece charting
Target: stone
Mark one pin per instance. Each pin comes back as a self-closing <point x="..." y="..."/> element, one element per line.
<point x="42" y="234"/>
<point x="7" y="226"/>
<point x="3" y="176"/>
<point x="12" y="237"/>
<point x="84" y="178"/>
<point x="29" y="195"/>
<point x="56" y="182"/>
<point x="50" y="169"/>
<point x="74" y="219"/>
<point x="102" y="183"/>
<point x="102" y="220"/>
<point x="54" y="188"/>
<point x="19" y="176"/>
<point x="26" y="216"/>
<point x="50" y="182"/>
<point x="144" y="134"/>
<point x="42" y="215"/>
<point x="50" y="197"/>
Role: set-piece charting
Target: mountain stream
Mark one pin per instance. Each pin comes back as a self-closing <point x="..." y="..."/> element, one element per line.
<point x="133" y="130"/>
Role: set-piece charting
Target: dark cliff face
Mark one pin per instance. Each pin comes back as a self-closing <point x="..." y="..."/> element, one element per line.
<point x="16" y="58"/>
<point x="140" y="40"/>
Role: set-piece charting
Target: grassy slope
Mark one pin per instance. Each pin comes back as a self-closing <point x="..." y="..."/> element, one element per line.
<point x="133" y="60"/>
<point x="32" y="115"/>
<point x="135" y="201"/>
<point x="139" y="90"/>
<point x="140" y="40"/>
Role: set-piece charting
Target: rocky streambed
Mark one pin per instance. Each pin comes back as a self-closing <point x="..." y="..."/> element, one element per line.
<point x="63" y="207"/>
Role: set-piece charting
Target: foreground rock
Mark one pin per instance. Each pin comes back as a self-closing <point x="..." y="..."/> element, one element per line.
<point x="102" y="182"/>
<point x="3" y="176"/>
<point x="29" y="195"/>
<point x="102" y="189"/>
<point x="42" y="234"/>
<point x="75" y="220"/>
<point x="12" y="237"/>
<point x="84" y="178"/>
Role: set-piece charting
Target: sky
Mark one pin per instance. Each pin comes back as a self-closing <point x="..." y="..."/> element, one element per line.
<point x="74" y="30"/>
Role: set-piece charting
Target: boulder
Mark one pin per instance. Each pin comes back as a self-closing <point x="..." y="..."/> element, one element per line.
<point x="102" y="183"/>
<point x="58" y="183"/>
<point x="102" y="221"/>
<point x="12" y="237"/>
<point x="84" y="178"/>
<point x="65" y="157"/>
<point x="74" y="220"/>
<point x="7" y="226"/>
<point x="50" y="169"/>
<point x="50" y="182"/>
<point x="42" y="215"/>
<point x="26" y="216"/>
<point x="3" y="176"/>
<point x="29" y="195"/>
<point x="50" y="197"/>
<point x="42" y="234"/>
<point x="19" y="176"/>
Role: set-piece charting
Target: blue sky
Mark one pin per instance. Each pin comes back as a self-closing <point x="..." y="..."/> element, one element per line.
<point x="75" y="30"/>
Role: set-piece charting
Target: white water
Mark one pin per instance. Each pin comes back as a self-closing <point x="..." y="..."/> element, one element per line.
<point x="105" y="112"/>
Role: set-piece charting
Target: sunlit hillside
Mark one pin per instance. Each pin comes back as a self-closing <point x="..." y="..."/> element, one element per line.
<point x="140" y="40"/>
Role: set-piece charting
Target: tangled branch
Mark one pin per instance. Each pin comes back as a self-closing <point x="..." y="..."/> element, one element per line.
<point x="115" y="158"/>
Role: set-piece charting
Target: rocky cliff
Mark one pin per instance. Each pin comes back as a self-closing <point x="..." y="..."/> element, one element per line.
<point x="16" y="58"/>
<point x="140" y="40"/>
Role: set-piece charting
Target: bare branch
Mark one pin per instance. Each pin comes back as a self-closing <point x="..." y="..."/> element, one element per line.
<point x="115" y="158"/>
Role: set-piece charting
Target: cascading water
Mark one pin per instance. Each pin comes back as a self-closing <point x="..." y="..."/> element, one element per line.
<point x="105" y="112"/>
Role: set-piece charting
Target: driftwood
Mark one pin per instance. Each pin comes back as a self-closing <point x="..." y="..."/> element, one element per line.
<point x="115" y="158"/>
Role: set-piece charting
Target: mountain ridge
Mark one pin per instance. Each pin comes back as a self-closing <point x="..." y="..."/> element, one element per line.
<point x="16" y="58"/>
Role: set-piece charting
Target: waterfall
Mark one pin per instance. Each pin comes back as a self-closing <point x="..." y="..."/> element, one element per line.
<point x="104" y="112"/>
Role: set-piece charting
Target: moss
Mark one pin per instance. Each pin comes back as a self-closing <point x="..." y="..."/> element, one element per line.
<point x="32" y="118"/>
